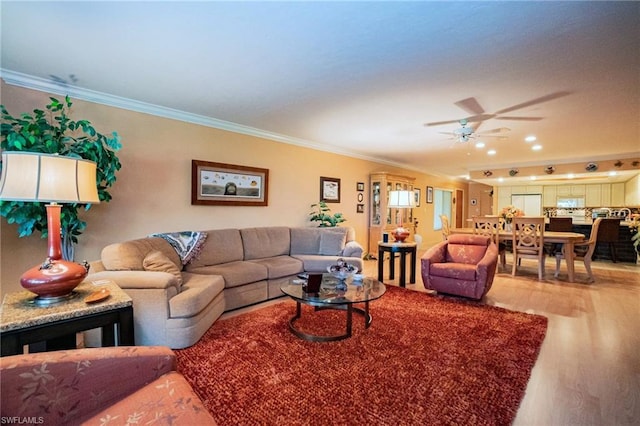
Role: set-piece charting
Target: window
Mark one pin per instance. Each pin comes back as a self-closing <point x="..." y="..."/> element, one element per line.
<point x="441" y="205"/>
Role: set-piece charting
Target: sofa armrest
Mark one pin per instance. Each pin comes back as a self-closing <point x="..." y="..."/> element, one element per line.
<point x="486" y="268"/>
<point x="65" y="385"/>
<point x="353" y="249"/>
<point x="137" y="279"/>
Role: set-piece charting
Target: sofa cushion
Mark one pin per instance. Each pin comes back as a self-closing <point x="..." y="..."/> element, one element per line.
<point x="156" y="261"/>
<point x="221" y="246"/>
<point x="332" y="242"/>
<point x="458" y="271"/>
<point x="196" y="293"/>
<point x="260" y="243"/>
<point x="235" y="273"/>
<point x="281" y="266"/>
<point x="129" y="255"/>
<point x="305" y="240"/>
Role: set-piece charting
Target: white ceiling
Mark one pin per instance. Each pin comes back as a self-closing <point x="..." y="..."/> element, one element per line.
<point x="355" y="77"/>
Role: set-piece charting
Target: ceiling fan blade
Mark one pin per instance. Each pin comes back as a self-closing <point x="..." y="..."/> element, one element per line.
<point x="439" y="123"/>
<point x="536" y="101"/>
<point x="518" y="118"/>
<point x="470" y="105"/>
<point x="498" y="130"/>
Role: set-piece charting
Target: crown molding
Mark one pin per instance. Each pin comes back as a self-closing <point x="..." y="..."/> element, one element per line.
<point x="60" y="88"/>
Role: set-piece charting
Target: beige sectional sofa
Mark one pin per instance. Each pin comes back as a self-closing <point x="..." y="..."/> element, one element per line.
<point x="174" y="305"/>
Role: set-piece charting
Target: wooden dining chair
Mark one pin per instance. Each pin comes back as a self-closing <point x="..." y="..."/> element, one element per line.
<point x="490" y="226"/>
<point x="558" y="224"/>
<point x="528" y="242"/>
<point x="583" y="250"/>
<point x="446" y="230"/>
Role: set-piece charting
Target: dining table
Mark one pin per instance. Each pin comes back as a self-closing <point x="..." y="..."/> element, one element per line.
<point x="567" y="239"/>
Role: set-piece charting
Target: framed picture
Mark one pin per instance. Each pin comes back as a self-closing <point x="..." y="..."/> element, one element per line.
<point x="329" y="190"/>
<point x="360" y="186"/>
<point x="360" y="208"/>
<point x="360" y="197"/>
<point x="228" y="184"/>
<point x="416" y="194"/>
<point x="429" y="194"/>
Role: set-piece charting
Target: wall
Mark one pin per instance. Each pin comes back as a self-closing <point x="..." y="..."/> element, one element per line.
<point x="153" y="189"/>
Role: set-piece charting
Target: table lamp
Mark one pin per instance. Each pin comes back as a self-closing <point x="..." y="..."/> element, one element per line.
<point x="401" y="200"/>
<point x="36" y="177"/>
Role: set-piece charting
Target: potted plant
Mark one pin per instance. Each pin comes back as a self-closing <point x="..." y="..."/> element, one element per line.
<point x="54" y="132"/>
<point x="322" y="213"/>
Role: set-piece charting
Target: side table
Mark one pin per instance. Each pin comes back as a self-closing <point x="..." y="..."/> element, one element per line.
<point x="392" y="249"/>
<point x="24" y="323"/>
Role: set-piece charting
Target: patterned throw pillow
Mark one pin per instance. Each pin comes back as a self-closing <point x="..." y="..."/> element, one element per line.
<point x="156" y="261"/>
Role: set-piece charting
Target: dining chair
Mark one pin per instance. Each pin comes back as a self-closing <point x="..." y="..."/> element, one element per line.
<point x="528" y="242"/>
<point x="558" y="224"/>
<point x="446" y="230"/>
<point x="490" y="226"/>
<point x="583" y="250"/>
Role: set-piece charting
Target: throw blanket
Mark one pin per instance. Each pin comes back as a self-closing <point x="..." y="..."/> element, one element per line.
<point x="187" y="243"/>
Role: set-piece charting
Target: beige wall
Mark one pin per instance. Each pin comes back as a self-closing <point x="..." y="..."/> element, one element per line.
<point x="153" y="190"/>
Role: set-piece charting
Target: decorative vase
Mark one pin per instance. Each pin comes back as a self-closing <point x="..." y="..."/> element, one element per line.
<point x="400" y="234"/>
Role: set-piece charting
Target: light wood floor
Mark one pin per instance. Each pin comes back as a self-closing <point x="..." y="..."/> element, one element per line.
<point x="588" y="370"/>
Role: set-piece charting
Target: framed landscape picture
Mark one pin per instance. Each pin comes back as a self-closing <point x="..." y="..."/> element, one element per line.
<point x="429" y="194"/>
<point x="228" y="184"/>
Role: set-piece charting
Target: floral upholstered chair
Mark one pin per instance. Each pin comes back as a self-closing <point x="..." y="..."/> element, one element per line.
<point x="99" y="386"/>
<point x="464" y="265"/>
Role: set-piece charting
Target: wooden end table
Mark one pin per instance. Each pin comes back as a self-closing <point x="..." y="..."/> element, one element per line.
<point x="24" y="323"/>
<point x="402" y="249"/>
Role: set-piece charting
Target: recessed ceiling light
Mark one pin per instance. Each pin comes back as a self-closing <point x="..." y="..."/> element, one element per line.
<point x="491" y="152"/>
<point x="480" y="145"/>
<point x="533" y="178"/>
<point x="536" y="147"/>
<point x="571" y="176"/>
<point x="530" y="138"/>
<point x="613" y="173"/>
<point x="500" y="179"/>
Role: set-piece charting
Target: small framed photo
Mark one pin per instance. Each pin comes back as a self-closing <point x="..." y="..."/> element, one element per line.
<point x="429" y="194"/>
<point x="360" y="186"/>
<point x="416" y="194"/>
<point x="329" y="189"/>
<point x="360" y="208"/>
<point x="360" y="197"/>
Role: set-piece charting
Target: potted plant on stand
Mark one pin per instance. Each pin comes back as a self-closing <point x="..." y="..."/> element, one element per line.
<point x="54" y="132"/>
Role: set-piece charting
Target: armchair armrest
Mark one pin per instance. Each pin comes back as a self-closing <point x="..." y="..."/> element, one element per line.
<point x="63" y="385"/>
<point x="486" y="268"/>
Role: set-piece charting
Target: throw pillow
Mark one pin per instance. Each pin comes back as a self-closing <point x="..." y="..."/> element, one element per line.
<point x="158" y="262"/>
<point x="332" y="243"/>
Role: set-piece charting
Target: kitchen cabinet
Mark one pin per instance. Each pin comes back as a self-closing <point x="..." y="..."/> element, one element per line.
<point x="617" y="195"/>
<point x="384" y="219"/>
<point x="605" y="195"/>
<point x="549" y="196"/>
<point x="593" y="196"/>
<point x="570" y="190"/>
<point x="632" y="192"/>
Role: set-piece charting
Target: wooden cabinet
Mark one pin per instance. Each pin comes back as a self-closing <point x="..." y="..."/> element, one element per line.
<point x="549" y="196"/>
<point x="593" y="195"/>
<point x="570" y="190"/>
<point x="384" y="219"/>
<point x="617" y="195"/>
<point x="605" y="195"/>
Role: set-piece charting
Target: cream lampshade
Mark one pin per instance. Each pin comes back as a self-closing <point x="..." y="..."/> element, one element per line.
<point x="36" y="177"/>
<point x="401" y="200"/>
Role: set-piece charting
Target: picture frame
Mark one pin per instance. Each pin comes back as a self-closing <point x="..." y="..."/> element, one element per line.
<point x="429" y="194"/>
<point x="359" y="208"/>
<point x="360" y="197"/>
<point x="360" y="186"/>
<point x="221" y="184"/>
<point x="417" y="194"/>
<point x="329" y="189"/>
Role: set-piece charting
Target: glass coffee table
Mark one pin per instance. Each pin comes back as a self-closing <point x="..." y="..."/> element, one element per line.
<point x="332" y="295"/>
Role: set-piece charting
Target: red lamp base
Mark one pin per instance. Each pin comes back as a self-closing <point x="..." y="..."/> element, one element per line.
<point x="400" y="234"/>
<point x="54" y="280"/>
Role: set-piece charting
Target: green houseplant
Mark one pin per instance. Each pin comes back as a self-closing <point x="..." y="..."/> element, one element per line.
<point x="54" y="132"/>
<point x="322" y="213"/>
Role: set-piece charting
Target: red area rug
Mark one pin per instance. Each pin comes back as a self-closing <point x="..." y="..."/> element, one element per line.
<point x="424" y="360"/>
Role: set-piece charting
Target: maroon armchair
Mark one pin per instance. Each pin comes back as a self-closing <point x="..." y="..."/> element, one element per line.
<point x="464" y="265"/>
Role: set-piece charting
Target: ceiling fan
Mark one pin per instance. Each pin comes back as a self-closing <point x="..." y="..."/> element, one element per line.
<point x="465" y="133"/>
<point x="472" y="106"/>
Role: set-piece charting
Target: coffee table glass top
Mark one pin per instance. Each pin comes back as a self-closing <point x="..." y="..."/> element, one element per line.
<point x="332" y="293"/>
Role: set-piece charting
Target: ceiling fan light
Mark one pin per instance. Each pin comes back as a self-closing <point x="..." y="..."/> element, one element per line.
<point x="480" y="144"/>
<point x="530" y="138"/>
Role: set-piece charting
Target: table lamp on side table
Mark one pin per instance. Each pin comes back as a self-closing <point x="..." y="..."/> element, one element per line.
<point x="36" y="177"/>
<point x="401" y="200"/>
